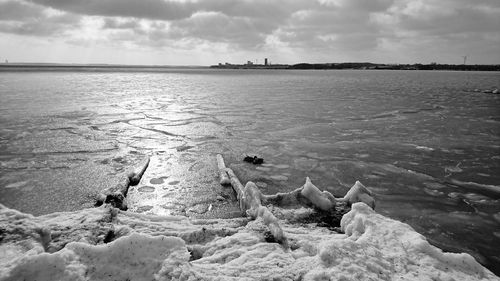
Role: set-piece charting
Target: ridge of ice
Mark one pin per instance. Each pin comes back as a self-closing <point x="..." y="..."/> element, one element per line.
<point x="373" y="247"/>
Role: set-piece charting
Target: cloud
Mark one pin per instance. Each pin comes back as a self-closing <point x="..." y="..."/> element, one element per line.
<point x="240" y="23"/>
<point x="147" y="9"/>
<point x="28" y="19"/>
<point x="175" y="10"/>
<point x="14" y="10"/>
<point x="436" y="18"/>
<point x="277" y="10"/>
<point x="453" y="25"/>
<point x="340" y="25"/>
<point x="340" y="29"/>
<point x="113" y="23"/>
<point x="218" y="27"/>
<point x="358" y="5"/>
<point x="44" y="26"/>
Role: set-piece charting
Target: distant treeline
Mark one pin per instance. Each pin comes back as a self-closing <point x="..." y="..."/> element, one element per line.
<point x="344" y="65"/>
<point x="418" y="66"/>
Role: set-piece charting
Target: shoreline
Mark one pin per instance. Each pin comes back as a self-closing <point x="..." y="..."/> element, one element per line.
<point x="299" y="66"/>
<point x="276" y="239"/>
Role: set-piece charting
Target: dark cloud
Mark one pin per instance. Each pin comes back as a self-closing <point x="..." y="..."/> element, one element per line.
<point x="277" y="10"/>
<point x="29" y="19"/>
<point x="358" y="5"/>
<point x="14" y="10"/>
<point x="175" y="10"/>
<point x="42" y="26"/>
<point x="147" y="9"/>
<point x="454" y="20"/>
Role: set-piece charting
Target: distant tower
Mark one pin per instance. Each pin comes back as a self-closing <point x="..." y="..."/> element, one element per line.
<point x="465" y="59"/>
<point x="265" y="61"/>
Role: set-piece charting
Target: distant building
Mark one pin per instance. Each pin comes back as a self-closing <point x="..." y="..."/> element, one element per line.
<point x="265" y="61"/>
<point x="249" y="63"/>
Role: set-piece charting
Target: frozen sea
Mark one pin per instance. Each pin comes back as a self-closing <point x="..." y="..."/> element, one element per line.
<point x="427" y="143"/>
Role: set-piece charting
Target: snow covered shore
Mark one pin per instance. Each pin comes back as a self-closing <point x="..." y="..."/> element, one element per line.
<point x="108" y="244"/>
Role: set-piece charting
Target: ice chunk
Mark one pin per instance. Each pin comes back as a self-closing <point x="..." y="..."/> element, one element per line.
<point x="359" y="193"/>
<point x="253" y="206"/>
<point x="318" y="198"/>
<point x="224" y="178"/>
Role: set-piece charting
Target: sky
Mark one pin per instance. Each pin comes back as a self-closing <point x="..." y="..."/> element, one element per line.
<point x="206" y="32"/>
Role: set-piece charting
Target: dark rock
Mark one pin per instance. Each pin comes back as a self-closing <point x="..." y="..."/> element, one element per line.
<point x="116" y="200"/>
<point x="248" y="159"/>
<point x="269" y="238"/>
<point x="253" y="159"/>
<point x="196" y="252"/>
<point x="257" y="160"/>
<point x="110" y="236"/>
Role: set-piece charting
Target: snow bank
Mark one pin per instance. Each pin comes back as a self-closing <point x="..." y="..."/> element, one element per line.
<point x="107" y="244"/>
<point x="133" y="257"/>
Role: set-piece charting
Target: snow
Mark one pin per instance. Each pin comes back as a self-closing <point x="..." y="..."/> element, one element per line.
<point x="72" y="246"/>
<point x="136" y="257"/>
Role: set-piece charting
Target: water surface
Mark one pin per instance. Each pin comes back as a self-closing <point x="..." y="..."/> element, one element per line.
<point x="425" y="142"/>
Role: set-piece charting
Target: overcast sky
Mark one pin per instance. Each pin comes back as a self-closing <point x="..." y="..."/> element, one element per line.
<point x="204" y="32"/>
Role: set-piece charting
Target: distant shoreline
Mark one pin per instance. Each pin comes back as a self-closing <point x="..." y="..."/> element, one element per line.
<point x="365" y="66"/>
<point x="300" y="66"/>
<point x="26" y="67"/>
<point x="97" y="65"/>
